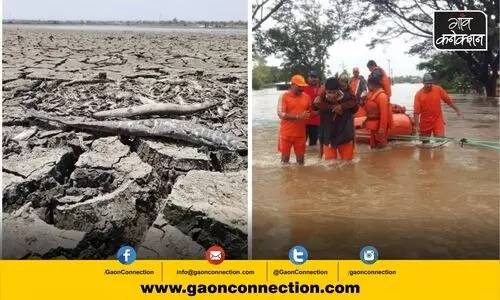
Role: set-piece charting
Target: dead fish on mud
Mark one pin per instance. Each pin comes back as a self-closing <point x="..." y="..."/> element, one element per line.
<point x="26" y="134"/>
<point x="154" y="109"/>
<point x="176" y="129"/>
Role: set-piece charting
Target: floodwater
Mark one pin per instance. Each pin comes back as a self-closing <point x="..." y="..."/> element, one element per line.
<point x="408" y="202"/>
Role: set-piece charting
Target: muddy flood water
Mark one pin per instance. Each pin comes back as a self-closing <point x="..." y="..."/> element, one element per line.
<point x="408" y="202"/>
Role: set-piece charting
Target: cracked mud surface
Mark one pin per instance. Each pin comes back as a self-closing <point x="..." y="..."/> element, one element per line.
<point x="74" y="194"/>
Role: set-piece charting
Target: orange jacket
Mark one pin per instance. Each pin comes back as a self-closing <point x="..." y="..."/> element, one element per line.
<point x="428" y="105"/>
<point x="378" y="111"/>
<point x="313" y="93"/>
<point x="354" y="84"/>
<point x="291" y="103"/>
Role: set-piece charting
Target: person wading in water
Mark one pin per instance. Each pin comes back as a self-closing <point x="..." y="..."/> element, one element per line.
<point x="428" y="115"/>
<point x="337" y="108"/>
<point x="294" y="108"/>
<point x="385" y="82"/>
<point x="312" y="124"/>
<point x="377" y="114"/>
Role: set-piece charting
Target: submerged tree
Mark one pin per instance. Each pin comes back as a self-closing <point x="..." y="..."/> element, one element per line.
<point x="414" y="18"/>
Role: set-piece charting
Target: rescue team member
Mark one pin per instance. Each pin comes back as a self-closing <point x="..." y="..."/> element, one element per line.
<point x="377" y="114"/>
<point x="294" y="108"/>
<point x="385" y="82"/>
<point x="428" y="115"/>
<point x="312" y="124"/>
<point x="358" y="85"/>
<point x="377" y="71"/>
<point x="336" y="109"/>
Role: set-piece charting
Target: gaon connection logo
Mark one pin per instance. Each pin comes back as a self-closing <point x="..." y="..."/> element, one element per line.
<point x="460" y="30"/>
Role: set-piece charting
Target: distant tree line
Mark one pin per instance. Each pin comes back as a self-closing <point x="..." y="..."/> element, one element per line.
<point x="451" y="73"/>
<point x="264" y="76"/>
<point x="173" y="22"/>
<point x="406" y="79"/>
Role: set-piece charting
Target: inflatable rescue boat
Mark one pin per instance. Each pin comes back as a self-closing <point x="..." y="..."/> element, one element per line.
<point x="402" y="124"/>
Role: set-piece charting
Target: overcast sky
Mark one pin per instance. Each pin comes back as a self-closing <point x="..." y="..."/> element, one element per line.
<point x="354" y="53"/>
<point x="189" y="10"/>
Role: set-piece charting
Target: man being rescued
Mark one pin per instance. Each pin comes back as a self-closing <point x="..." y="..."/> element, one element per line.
<point x="294" y="108"/>
<point x="427" y="111"/>
<point x="336" y="109"/>
<point x="377" y="109"/>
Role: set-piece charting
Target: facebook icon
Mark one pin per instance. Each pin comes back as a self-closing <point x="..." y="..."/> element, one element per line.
<point x="298" y="255"/>
<point x="126" y="255"/>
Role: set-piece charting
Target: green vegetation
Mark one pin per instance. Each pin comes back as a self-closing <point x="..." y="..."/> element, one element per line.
<point x="413" y="18"/>
<point x="264" y="76"/>
<point x="304" y="30"/>
<point x="303" y="33"/>
<point x="451" y="73"/>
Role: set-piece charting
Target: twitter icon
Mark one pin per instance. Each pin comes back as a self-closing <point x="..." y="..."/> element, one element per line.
<point x="298" y="255"/>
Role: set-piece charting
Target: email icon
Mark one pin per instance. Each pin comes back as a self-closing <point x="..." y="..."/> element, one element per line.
<point x="215" y="255"/>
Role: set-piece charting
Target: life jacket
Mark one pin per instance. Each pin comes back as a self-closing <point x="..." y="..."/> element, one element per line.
<point x="371" y="106"/>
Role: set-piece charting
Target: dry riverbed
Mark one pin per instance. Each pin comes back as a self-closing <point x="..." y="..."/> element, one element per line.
<point x="81" y="194"/>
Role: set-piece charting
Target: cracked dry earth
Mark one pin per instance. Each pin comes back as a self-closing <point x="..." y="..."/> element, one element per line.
<point x="70" y="194"/>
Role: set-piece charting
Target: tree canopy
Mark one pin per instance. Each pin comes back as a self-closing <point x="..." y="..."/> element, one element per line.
<point x="414" y="18"/>
<point x="303" y="31"/>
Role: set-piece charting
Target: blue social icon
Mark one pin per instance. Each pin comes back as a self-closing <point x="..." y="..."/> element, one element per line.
<point x="126" y="255"/>
<point x="298" y="255"/>
<point x="368" y="255"/>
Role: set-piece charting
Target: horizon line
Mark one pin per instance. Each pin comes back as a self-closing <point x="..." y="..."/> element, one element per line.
<point x="137" y="20"/>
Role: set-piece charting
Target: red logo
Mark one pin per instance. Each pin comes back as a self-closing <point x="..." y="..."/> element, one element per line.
<point x="215" y="255"/>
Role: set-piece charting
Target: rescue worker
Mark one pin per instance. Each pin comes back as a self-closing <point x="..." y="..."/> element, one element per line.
<point x="377" y="114"/>
<point x="385" y="82"/>
<point x="428" y="115"/>
<point x="312" y="124"/>
<point x="336" y="108"/>
<point x="358" y="85"/>
<point x="377" y="71"/>
<point x="294" y="108"/>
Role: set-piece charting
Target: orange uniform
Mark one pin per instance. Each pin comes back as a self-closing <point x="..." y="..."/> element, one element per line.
<point x="313" y="93"/>
<point x="377" y="116"/>
<point x="428" y="105"/>
<point x="293" y="132"/>
<point x="345" y="151"/>
<point x="385" y="81"/>
<point x="354" y="85"/>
